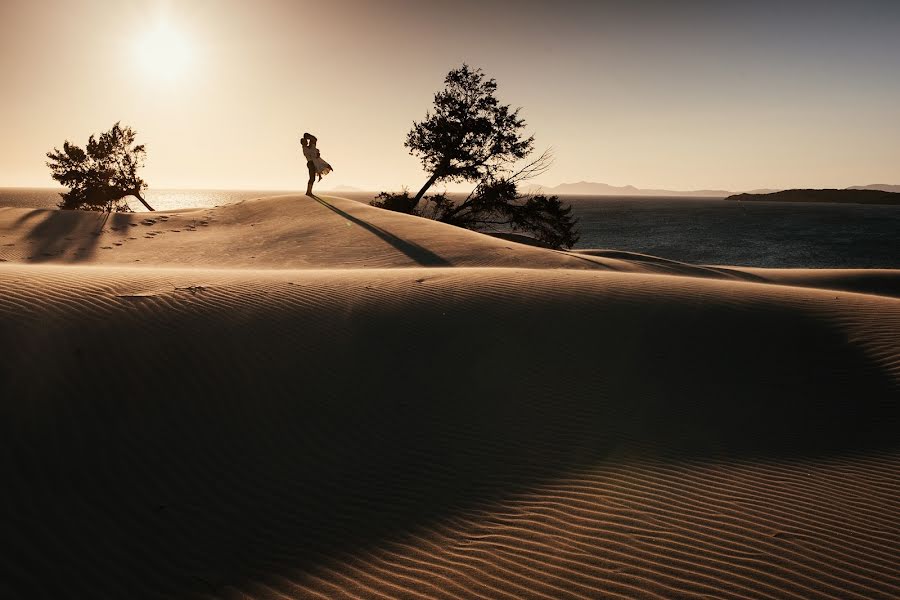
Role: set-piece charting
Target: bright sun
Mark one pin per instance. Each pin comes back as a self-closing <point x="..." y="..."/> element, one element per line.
<point x="164" y="52"/>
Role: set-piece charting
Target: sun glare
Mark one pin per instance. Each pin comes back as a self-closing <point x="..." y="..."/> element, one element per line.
<point x="164" y="53"/>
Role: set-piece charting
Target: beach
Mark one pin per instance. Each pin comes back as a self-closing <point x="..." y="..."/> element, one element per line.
<point x="289" y="397"/>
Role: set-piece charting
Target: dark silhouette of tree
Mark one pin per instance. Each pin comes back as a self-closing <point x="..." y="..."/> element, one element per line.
<point x="102" y="174"/>
<point x="495" y="205"/>
<point x="472" y="137"/>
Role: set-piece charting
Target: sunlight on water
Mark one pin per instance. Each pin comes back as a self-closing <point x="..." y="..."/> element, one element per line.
<point x="175" y="199"/>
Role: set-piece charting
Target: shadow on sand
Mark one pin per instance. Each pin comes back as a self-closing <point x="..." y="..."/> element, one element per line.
<point x="321" y="441"/>
<point x="421" y="255"/>
<point x="67" y="235"/>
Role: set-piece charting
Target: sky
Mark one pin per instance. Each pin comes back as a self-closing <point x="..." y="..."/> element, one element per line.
<point x="657" y="94"/>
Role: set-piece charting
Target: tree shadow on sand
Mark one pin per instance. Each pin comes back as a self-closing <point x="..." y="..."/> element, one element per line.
<point x="421" y="255"/>
<point x="67" y="235"/>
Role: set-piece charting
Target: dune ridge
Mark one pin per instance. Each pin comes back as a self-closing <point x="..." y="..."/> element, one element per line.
<point x="291" y="232"/>
<point x="179" y="421"/>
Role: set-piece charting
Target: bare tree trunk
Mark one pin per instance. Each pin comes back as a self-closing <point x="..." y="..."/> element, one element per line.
<point x="144" y="202"/>
<point x="424" y="189"/>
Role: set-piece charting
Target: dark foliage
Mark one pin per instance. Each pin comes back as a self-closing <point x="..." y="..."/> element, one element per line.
<point x="471" y="137"/>
<point x="400" y="202"/>
<point x="495" y="206"/>
<point x="101" y="175"/>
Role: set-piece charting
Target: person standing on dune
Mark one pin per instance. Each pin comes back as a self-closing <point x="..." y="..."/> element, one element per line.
<point x="314" y="162"/>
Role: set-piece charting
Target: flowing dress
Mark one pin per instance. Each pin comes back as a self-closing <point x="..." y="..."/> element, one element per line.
<point x="322" y="167"/>
<point x="312" y="155"/>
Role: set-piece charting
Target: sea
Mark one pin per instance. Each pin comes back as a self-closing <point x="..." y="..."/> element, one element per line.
<point x="695" y="230"/>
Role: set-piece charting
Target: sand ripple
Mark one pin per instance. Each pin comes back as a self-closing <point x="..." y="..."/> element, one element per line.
<point x="444" y="433"/>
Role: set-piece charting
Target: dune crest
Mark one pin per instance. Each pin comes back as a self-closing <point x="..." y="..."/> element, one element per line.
<point x="297" y="232"/>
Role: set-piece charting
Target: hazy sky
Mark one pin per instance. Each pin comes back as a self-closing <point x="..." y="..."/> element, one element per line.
<point x="681" y="95"/>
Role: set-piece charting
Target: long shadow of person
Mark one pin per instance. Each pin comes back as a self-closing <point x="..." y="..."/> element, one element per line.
<point x="423" y="256"/>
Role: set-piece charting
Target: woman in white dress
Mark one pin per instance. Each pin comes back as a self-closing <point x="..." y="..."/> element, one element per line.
<point x="314" y="162"/>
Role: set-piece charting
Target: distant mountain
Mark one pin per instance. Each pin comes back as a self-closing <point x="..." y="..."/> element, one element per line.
<point x="883" y="187"/>
<point x="345" y="188"/>
<point x="848" y="196"/>
<point x="590" y="188"/>
<point x="593" y="188"/>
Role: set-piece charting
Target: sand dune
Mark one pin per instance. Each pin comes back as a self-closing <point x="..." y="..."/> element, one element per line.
<point x="292" y="399"/>
<point x="294" y="232"/>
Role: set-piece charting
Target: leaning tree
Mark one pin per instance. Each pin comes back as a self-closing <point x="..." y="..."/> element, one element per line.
<point x="102" y="174"/>
<point x="471" y="137"/>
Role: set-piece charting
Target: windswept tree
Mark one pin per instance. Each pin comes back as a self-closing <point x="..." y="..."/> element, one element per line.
<point x="103" y="174"/>
<point x="471" y="137"/>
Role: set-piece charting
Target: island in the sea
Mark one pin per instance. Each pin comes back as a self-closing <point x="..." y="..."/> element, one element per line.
<point x="848" y="196"/>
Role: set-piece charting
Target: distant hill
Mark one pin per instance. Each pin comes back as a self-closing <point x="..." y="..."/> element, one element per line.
<point x="761" y="191"/>
<point x="590" y="188"/>
<point x="594" y="188"/>
<point x="848" y="196"/>
<point x="877" y="186"/>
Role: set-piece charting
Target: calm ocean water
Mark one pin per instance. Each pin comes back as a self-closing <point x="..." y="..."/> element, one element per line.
<point x="696" y="230"/>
